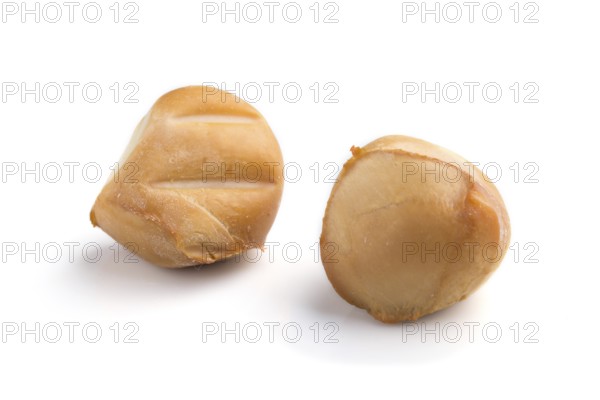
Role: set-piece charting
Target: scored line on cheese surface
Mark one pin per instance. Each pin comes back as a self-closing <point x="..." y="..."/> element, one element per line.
<point x="213" y="183"/>
<point x="215" y="119"/>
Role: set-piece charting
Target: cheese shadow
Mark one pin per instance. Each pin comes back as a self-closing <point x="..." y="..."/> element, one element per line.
<point x="118" y="273"/>
<point x="363" y="340"/>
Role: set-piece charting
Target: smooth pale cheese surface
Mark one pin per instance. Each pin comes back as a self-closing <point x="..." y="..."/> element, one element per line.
<point x="407" y="243"/>
<point x="200" y="181"/>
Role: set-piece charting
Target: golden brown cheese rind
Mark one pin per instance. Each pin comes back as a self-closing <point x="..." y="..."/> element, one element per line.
<point x="201" y="181"/>
<point x="415" y="229"/>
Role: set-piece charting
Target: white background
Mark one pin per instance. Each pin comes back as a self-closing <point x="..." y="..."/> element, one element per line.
<point x="368" y="55"/>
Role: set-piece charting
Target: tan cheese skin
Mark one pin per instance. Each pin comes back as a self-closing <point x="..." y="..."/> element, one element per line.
<point x="411" y="228"/>
<point x="201" y="181"/>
